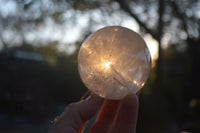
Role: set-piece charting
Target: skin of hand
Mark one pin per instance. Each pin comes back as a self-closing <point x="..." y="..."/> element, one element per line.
<point x="115" y="116"/>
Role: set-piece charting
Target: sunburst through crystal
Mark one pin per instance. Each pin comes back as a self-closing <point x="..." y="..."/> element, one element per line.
<point x="113" y="62"/>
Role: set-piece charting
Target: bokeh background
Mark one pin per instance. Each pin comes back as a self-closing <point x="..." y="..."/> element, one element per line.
<point x="39" y="42"/>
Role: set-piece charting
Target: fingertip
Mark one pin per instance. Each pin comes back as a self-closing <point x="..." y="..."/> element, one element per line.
<point x="94" y="98"/>
<point x="127" y="116"/>
<point x="85" y="95"/>
<point x="130" y="100"/>
<point x="89" y="106"/>
<point x="138" y="93"/>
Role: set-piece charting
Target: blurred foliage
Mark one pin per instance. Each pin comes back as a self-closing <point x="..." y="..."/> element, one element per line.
<point x="59" y="77"/>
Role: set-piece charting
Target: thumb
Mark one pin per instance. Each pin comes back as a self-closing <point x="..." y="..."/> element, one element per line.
<point x="76" y="114"/>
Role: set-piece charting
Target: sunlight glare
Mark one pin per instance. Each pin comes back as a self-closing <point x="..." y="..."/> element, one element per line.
<point x="107" y="64"/>
<point x="153" y="48"/>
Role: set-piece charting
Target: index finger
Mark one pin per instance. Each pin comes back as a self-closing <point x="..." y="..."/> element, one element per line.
<point x="127" y="117"/>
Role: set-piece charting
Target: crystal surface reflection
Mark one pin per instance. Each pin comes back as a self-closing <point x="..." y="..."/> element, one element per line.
<point x="113" y="62"/>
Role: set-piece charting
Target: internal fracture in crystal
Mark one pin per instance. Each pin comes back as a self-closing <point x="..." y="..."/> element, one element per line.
<point x="113" y="62"/>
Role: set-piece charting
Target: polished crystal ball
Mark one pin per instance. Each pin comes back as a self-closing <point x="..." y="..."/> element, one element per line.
<point x="113" y="62"/>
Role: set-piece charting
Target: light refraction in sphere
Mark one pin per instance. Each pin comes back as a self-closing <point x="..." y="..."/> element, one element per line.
<point x="113" y="62"/>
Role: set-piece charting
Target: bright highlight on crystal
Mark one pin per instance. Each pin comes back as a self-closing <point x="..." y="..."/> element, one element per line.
<point x="113" y="62"/>
<point x="107" y="64"/>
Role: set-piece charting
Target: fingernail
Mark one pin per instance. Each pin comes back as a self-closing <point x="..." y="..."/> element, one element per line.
<point x="93" y="97"/>
<point x="85" y="95"/>
<point x="138" y="93"/>
<point x="88" y="98"/>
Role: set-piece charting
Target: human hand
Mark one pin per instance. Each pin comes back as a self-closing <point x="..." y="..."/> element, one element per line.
<point x="115" y="116"/>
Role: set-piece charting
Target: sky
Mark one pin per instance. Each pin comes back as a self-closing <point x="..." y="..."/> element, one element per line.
<point x="69" y="32"/>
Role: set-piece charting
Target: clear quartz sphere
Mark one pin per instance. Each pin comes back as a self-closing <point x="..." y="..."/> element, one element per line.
<point x="113" y="62"/>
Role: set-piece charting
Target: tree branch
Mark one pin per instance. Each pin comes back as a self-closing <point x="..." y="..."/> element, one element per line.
<point x="182" y="16"/>
<point x="126" y="8"/>
<point x="179" y="14"/>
